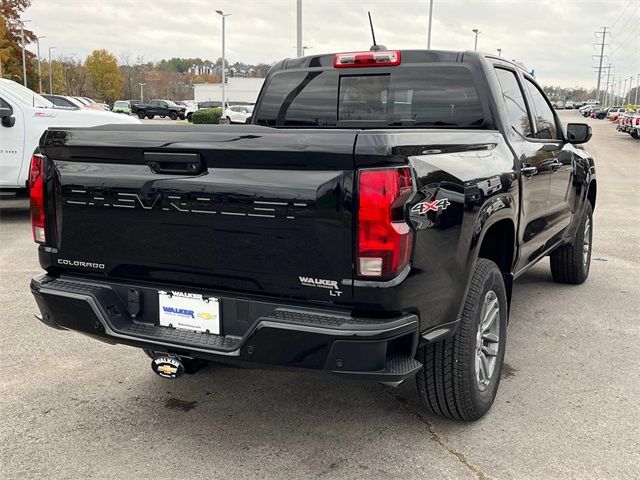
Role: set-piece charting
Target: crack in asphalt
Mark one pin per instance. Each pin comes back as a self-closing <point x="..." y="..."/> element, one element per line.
<point x="462" y="458"/>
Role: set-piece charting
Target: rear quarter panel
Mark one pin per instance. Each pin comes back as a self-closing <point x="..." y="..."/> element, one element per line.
<point x="471" y="176"/>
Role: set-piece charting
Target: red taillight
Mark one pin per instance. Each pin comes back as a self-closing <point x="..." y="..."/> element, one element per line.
<point x="384" y="237"/>
<point x="36" y="194"/>
<point x="385" y="58"/>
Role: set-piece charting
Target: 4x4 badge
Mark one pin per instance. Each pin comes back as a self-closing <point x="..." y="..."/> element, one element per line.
<point x="423" y="208"/>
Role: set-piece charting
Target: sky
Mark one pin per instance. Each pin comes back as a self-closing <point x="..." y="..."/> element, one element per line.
<point x="554" y="37"/>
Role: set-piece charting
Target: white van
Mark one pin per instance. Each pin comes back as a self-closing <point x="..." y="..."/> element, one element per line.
<point x="24" y="116"/>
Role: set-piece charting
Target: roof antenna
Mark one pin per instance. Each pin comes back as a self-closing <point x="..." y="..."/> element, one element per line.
<point x="375" y="47"/>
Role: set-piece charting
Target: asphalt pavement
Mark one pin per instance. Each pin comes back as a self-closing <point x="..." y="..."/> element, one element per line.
<point x="568" y="405"/>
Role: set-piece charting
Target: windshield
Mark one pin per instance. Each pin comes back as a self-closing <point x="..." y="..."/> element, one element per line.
<point x="172" y="104"/>
<point x="23" y="95"/>
<point x="120" y="104"/>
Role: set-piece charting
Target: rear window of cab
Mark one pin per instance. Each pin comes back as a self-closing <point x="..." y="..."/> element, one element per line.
<point x="422" y="97"/>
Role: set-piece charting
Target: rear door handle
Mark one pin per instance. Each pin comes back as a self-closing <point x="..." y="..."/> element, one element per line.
<point x="556" y="165"/>
<point x="529" y="171"/>
<point x="174" y="163"/>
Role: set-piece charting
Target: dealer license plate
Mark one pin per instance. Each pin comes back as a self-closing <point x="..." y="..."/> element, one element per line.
<point x="189" y="311"/>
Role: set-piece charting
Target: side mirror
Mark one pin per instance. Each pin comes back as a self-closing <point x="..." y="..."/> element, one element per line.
<point x="6" y="115"/>
<point x="578" y="133"/>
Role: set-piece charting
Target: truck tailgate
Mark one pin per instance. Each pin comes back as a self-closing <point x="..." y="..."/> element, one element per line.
<point x="268" y="211"/>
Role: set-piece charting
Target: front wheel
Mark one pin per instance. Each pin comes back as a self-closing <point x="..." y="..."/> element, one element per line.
<point x="173" y="115"/>
<point x="150" y="117"/>
<point x="141" y="114"/>
<point x="461" y="374"/>
<point x="570" y="263"/>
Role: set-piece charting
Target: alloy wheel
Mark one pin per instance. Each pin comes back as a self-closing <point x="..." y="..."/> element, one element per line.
<point x="487" y="340"/>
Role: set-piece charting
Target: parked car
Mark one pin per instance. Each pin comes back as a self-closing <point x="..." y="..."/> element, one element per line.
<point x="188" y="113"/>
<point x="210" y="104"/>
<point x="238" y="113"/>
<point x="188" y="103"/>
<point x="569" y="105"/>
<point x="333" y="233"/>
<point x="629" y="122"/>
<point x="612" y="113"/>
<point x="121" y="106"/>
<point x="25" y="116"/>
<point x="88" y="103"/>
<point x="161" y="108"/>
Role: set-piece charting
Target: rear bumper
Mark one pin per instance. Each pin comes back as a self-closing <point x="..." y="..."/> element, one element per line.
<point x="254" y="332"/>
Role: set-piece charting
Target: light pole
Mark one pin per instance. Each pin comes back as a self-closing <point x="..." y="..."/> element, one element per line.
<point x="629" y="93"/>
<point x="300" y="48"/>
<point x="66" y="80"/>
<point x="499" y="52"/>
<point x="429" y="30"/>
<point x="619" y="91"/>
<point x="224" y="66"/>
<point x="624" y="89"/>
<point x="24" y="55"/>
<point x="50" y="70"/>
<point x="141" y="91"/>
<point x="39" y="69"/>
<point x="635" y="102"/>
<point x="477" y="32"/>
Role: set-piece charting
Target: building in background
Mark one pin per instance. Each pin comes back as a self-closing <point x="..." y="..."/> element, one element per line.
<point x="238" y="89"/>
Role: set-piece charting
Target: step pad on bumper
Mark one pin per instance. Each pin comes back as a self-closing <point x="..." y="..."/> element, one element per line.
<point x="183" y="337"/>
<point x="396" y="367"/>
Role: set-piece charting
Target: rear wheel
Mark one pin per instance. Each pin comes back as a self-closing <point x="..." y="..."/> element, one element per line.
<point x="570" y="263"/>
<point x="141" y="114"/>
<point x="150" y="117"/>
<point x="173" y="115"/>
<point x="461" y="374"/>
<point x="189" y="117"/>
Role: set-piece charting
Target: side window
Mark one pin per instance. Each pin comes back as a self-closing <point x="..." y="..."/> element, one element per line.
<point x="545" y="121"/>
<point x="4" y="104"/>
<point x="514" y="100"/>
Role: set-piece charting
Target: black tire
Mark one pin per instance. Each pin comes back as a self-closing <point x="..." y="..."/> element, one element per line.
<point x="190" y="117"/>
<point x="181" y="117"/>
<point x="141" y="114"/>
<point x="173" y="115"/>
<point x="448" y="384"/>
<point x="570" y="263"/>
<point x="150" y="117"/>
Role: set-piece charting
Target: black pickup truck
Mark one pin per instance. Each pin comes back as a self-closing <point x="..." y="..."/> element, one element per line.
<point x="370" y="223"/>
<point x="161" y="108"/>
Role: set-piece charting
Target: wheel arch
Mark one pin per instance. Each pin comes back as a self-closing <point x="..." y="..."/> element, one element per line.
<point x="591" y="193"/>
<point x="498" y="244"/>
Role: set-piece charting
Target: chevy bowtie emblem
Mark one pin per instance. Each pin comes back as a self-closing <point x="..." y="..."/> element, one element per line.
<point x="425" y="207"/>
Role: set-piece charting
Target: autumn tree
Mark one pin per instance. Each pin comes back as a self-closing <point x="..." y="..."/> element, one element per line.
<point x="10" y="44"/>
<point x="104" y="75"/>
<point x="5" y="46"/>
